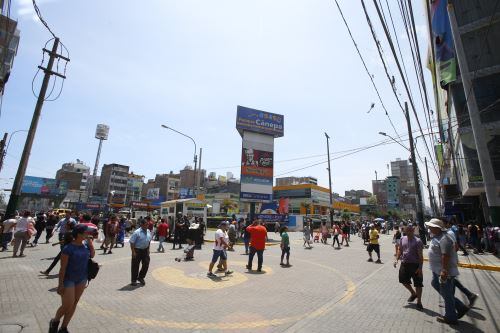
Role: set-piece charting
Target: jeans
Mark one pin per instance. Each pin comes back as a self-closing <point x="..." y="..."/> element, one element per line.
<point x="461" y="287"/>
<point x="160" y="247"/>
<point x="452" y="305"/>
<point x="336" y="238"/>
<point x="247" y="244"/>
<point x="20" y="239"/>
<point x="260" y="257"/>
<point x="6" y="238"/>
<point x="141" y="256"/>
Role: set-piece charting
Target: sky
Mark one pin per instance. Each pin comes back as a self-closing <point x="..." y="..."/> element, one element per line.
<point x="188" y="64"/>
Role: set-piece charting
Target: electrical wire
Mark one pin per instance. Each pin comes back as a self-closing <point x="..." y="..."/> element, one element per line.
<point x="39" y="14"/>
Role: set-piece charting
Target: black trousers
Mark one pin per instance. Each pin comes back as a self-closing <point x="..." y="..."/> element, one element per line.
<point x="177" y="239"/>
<point x="38" y="234"/>
<point x="141" y="257"/>
<point x="48" y="234"/>
<point x="260" y="257"/>
<point x="54" y="262"/>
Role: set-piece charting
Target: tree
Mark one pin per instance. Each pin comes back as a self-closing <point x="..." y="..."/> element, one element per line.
<point x="372" y="200"/>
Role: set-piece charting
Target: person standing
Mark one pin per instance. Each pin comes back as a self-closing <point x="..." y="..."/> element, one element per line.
<point x="246" y="238"/>
<point x="7" y="230"/>
<point x="324" y="233"/>
<point x="443" y="261"/>
<point x="410" y="252"/>
<point x="285" y="246"/>
<point x="62" y="225"/>
<point x="345" y="234"/>
<point x="177" y="233"/>
<point x="21" y="235"/>
<point x="220" y="246"/>
<point x="162" y="234"/>
<point x="139" y="245"/>
<point x="258" y="235"/>
<point x="395" y="239"/>
<point x="72" y="277"/>
<point x="112" y="229"/>
<point x="307" y="232"/>
<point x="373" y="245"/>
<point x="336" y="233"/>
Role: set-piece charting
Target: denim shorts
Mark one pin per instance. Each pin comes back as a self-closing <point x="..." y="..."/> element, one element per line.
<point x="71" y="284"/>
<point x="219" y="253"/>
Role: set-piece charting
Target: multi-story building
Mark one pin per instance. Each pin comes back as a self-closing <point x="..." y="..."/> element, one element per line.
<point x="168" y="185"/>
<point x="76" y="175"/>
<point x="393" y="191"/>
<point x="9" y="42"/>
<point x="114" y="179"/>
<point x="187" y="177"/>
<point x="286" y="181"/>
<point x="354" y="196"/>
<point x="461" y="180"/>
<point x="379" y="188"/>
<point x="403" y="169"/>
<point x="134" y="188"/>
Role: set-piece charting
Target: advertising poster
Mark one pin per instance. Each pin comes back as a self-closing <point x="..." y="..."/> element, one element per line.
<point x="43" y="186"/>
<point x="153" y="193"/>
<point x="259" y="122"/>
<point x="256" y="174"/>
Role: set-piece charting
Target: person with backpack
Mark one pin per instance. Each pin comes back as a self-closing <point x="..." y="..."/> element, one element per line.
<point x="73" y="277"/>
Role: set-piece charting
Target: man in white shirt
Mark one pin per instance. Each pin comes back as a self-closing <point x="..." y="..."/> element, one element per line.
<point x="220" y="246"/>
<point x="7" y="228"/>
<point x="21" y="236"/>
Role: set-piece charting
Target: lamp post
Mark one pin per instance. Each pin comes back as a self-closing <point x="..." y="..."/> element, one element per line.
<point x="195" y="158"/>
<point x="329" y="178"/>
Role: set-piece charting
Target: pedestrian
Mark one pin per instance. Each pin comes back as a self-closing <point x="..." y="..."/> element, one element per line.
<point x="324" y="233"/>
<point x="39" y="226"/>
<point x="336" y="232"/>
<point x="410" y="252"/>
<point x="162" y="234"/>
<point x="139" y="245"/>
<point x="177" y="233"/>
<point x="345" y="234"/>
<point x="67" y="239"/>
<point x="73" y="277"/>
<point x="8" y="227"/>
<point x="395" y="239"/>
<point x="258" y="235"/>
<point x="50" y="224"/>
<point x="443" y="261"/>
<point x="285" y="246"/>
<point x="61" y="226"/>
<point x="112" y="229"/>
<point x="373" y="245"/>
<point x="246" y="238"/>
<point x="219" y="252"/>
<point x="277" y="226"/>
<point x="22" y="233"/>
<point x="231" y="232"/>
<point x="307" y="232"/>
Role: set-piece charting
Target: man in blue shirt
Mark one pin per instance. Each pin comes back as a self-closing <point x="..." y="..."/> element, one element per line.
<point x="139" y="244"/>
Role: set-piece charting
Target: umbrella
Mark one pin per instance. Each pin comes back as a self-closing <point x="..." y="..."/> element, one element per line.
<point x="378" y="219"/>
<point x="92" y="229"/>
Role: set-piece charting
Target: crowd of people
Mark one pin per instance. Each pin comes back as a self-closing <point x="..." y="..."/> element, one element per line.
<point x="75" y="235"/>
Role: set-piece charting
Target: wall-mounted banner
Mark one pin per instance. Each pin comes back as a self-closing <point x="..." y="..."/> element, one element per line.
<point x="259" y="122"/>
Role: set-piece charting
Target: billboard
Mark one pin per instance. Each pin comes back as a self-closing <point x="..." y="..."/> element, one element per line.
<point x="256" y="174"/>
<point x="153" y="193"/>
<point x="102" y="132"/>
<point x="259" y="122"/>
<point x="43" y="186"/>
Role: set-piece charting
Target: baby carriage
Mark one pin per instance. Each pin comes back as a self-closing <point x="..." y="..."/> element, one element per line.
<point x="188" y="253"/>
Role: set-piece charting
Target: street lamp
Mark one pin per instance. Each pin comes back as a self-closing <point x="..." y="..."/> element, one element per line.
<point x="390" y="137"/>
<point x="11" y="135"/>
<point x="195" y="158"/>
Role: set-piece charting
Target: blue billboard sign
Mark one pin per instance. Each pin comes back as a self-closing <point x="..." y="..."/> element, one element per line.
<point x="43" y="186"/>
<point x="268" y="218"/>
<point x="186" y="193"/>
<point x="259" y="122"/>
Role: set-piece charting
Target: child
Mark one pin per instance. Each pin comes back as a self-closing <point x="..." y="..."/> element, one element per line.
<point x="285" y="246"/>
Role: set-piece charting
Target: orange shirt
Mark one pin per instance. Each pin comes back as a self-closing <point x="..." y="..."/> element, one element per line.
<point x="258" y="236"/>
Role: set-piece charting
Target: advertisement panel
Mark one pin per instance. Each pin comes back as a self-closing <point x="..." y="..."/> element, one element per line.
<point x="256" y="174"/>
<point x="43" y="186"/>
<point x="259" y="122"/>
<point x="102" y="132"/>
<point x="153" y="193"/>
<point x="185" y="193"/>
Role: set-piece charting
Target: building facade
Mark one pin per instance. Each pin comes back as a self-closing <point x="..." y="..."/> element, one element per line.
<point x="114" y="179"/>
<point x="286" y="181"/>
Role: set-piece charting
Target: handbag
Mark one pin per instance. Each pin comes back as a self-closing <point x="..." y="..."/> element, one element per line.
<point x="92" y="270"/>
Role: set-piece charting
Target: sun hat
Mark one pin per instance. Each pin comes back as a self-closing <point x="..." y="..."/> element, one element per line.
<point x="436" y="223"/>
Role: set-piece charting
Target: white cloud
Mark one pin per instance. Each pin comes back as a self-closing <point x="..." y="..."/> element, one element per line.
<point x="26" y="10"/>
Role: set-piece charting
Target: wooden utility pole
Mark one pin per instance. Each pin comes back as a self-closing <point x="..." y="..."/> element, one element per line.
<point x="329" y="178"/>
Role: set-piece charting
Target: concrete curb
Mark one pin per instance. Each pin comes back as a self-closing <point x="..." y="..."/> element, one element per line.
<point x="476" y="266"/>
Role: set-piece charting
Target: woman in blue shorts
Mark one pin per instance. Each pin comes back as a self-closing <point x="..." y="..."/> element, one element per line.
<point x="72" y="277"/>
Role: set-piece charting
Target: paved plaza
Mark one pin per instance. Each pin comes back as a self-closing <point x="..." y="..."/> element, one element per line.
<point x="325" y="290"/>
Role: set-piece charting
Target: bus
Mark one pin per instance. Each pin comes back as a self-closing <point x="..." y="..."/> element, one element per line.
<point x="185" y="207"/>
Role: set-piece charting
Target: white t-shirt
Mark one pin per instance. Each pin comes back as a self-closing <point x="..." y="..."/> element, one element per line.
<point x="218" y="235"/>
<point x="7" y="225"/>
<point x="23" y="223"/>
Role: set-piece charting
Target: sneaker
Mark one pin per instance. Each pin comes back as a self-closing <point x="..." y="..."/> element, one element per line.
<point x="141" y="281"/>
<point x="370" y="260"/>
<point x="44" y="272"/>
<point x="472" y="300"/>
<point x="249" y="267"/>
<point x="378" y="261"/>
<point x="53" y="326"/>
<point x="63" y="330"/>
<point x="420" y="307"/>
<point x="446" y="321"/>
<point x="110" y="252"/>
<point x="229" y="273"/>
<point x="211" y="275"/>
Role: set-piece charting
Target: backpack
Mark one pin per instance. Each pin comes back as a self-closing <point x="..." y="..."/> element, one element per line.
<point x="92" y="270"/>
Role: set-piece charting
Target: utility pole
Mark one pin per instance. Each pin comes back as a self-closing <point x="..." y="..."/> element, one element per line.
<point x="2" y="150"/>
<point x="420" y="211"/>
<point x="23" y="163"/>
<point x="478" y="130"/>
<point x="198" y="180"/>
<point x="329" y="178"/>
<point x="431" y="200"/>
<point x="376" y="175"/>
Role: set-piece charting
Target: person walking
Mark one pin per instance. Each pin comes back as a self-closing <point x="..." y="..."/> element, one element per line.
<point x="410" y="252"/>
<point x="443" y="262"/>
<point x="7" y="227"/>
<point x="373" y="245"/>
<point x="50" y="224"/>
<point x="39" y="226"/>
<point x="62" y="225"/>
<point x="162" y="234"/>
<point x="395" y="239"/>
<point x="285" y="246"/>
<point x="246" y="238"/>
<point x="221" y="244"/>
<point x="307" y="232"/>
<point x="72" y="277"/>
<point x="324" y="233"/>
<point x="345" y="234"/>
<point x="177" y="233"/>
<point x="139" y="245"/>
<point x="21" y="234"/>
<point x="258" y="235"/>
<point x="336" y="232"/>
<point x="112" y="229"/>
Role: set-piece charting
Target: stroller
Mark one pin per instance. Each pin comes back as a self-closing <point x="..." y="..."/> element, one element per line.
<point x="188" y="252"/>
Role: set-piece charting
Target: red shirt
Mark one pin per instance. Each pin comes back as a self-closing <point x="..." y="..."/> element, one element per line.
<point x="163" y="230"/>
<point x="258" y="236"/>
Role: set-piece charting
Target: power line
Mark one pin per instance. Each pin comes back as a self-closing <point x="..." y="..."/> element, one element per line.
<point x="39" y="14"/>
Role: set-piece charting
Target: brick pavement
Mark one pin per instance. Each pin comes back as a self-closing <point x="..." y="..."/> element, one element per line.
<point x="326" y="289"/>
